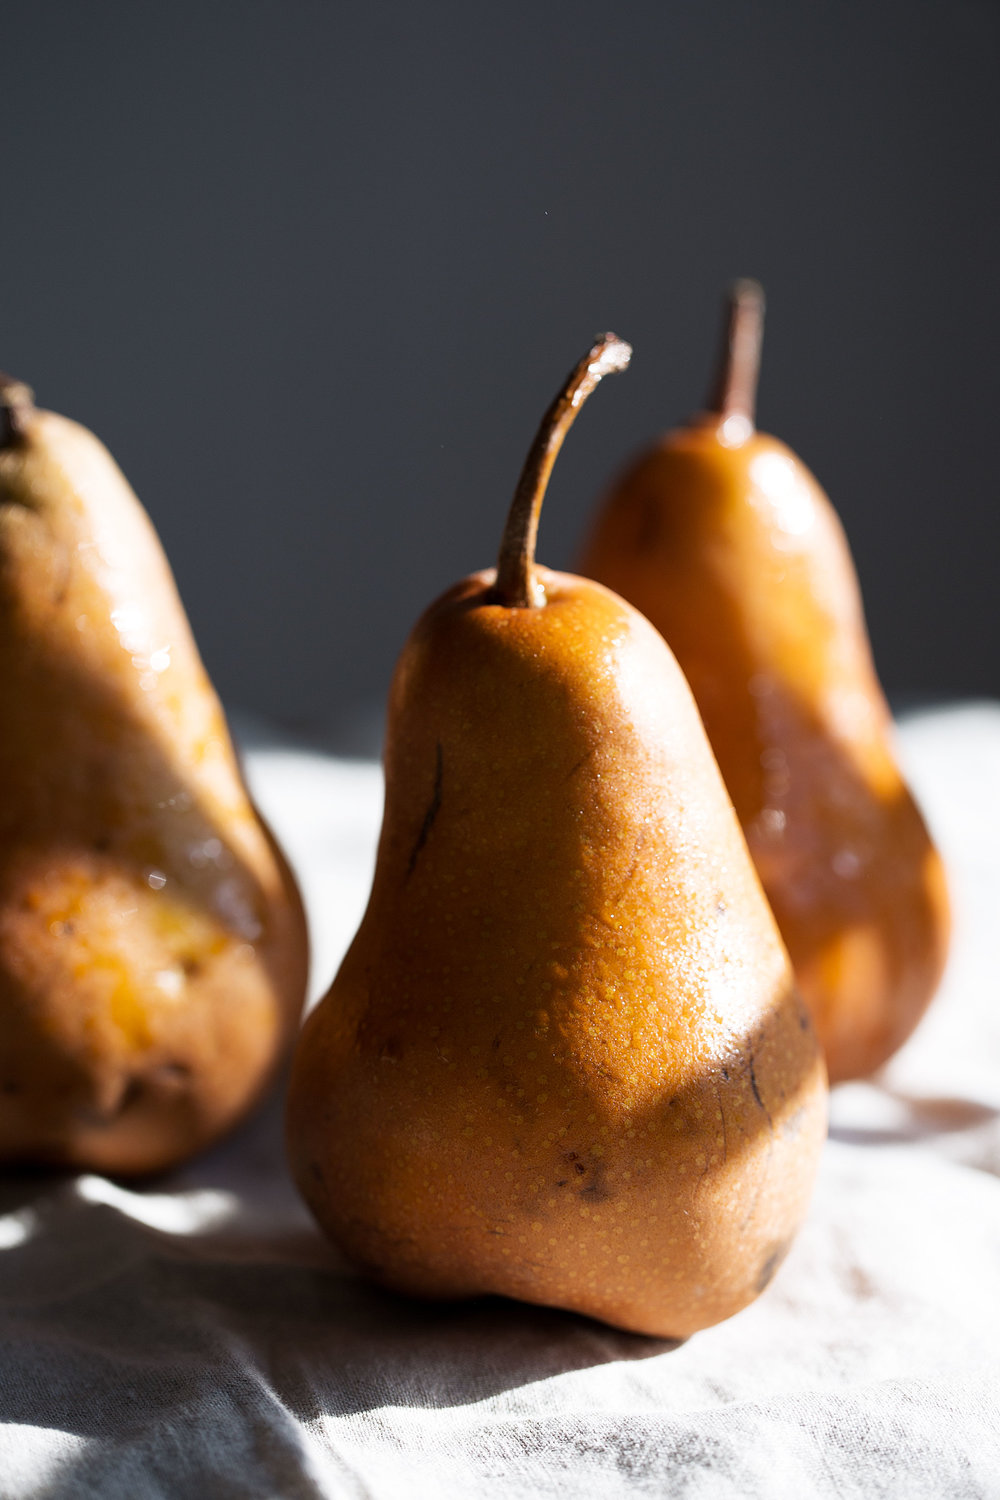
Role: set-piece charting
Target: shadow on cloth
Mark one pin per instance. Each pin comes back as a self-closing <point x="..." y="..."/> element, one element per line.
<point x="180" y="1358"/>
<point x="919" y="1120"/>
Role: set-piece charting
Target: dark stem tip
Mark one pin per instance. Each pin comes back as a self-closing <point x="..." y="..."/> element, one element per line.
<point x="17" y="402"/>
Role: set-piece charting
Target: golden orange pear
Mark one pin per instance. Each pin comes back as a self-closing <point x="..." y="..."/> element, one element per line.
<point x="152" y="943"/>
<point x="564" y="1058"/>
<point x="725" y="541"/>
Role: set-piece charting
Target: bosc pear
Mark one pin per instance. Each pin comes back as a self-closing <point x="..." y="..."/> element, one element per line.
<point x="564" y="1058"/>
<point x="152" y="943"/>
<point x="726" y="542"/>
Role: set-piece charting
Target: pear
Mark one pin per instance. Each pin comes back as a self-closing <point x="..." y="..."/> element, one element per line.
<point x="564" y="1058"/>
<point x="727" y="543"/>
<point x="152" y="942"/>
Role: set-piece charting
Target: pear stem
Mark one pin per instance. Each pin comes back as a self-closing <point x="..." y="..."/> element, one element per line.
<point x="734" y="393"/>
<point x="516" y="585"/>
<point x="16" y="405"/>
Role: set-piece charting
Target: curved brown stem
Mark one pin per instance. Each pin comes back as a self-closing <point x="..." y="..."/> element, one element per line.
<point x="17" y="402"/>
<point x="734" y="393"/>
<point x="516" y="585"/>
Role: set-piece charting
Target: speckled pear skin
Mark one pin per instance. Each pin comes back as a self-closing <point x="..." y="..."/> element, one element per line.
<point x="564" y="1059"/>
<point x="152" y="943"/>
<point x="727" y="543"/>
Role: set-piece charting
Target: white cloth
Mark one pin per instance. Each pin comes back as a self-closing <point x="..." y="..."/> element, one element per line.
<point x="194" y="1337"/>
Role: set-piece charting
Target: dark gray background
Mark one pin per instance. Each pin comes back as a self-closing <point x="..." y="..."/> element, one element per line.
<point x="314" y="270"/>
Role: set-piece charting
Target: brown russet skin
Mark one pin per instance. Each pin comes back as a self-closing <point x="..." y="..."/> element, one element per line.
<point x="564" y="1059"/>
<point x="727" y="544"/>
<point x="153" y="951"/>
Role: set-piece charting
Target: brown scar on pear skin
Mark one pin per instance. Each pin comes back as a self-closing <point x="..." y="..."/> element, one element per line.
<point x="752" y="1072"/>
<point x="433" y="808"/>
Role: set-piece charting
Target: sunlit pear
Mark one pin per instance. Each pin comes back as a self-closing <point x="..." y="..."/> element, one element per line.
<point x="726" y="542"/>
<point x="564" y="1059"/>
<point x="152" y="942"/>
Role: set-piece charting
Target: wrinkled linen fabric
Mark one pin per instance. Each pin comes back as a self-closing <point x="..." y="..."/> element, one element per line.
<point x="194" y="1336"/>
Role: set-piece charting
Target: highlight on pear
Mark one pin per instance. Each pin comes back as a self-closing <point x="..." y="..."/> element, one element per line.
<point x="564" y="1058"/>
<point x="725" y="541"/>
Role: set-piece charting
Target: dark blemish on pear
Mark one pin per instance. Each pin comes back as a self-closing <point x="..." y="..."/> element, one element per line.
<point x="597" y="1190"/>
<point x="756" y="1090"/>
<point x="433" y="808"/>
<point x="578" y="765"/>
<point x="753" y="1083"/>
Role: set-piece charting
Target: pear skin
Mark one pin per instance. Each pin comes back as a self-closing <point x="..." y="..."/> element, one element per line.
<point x="726" y="542"/>
<point x="153" y="951"/>
<point x="564" y="1059"/>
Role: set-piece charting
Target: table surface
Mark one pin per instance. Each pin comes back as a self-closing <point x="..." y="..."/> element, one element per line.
<point x="195" y="1337"/>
